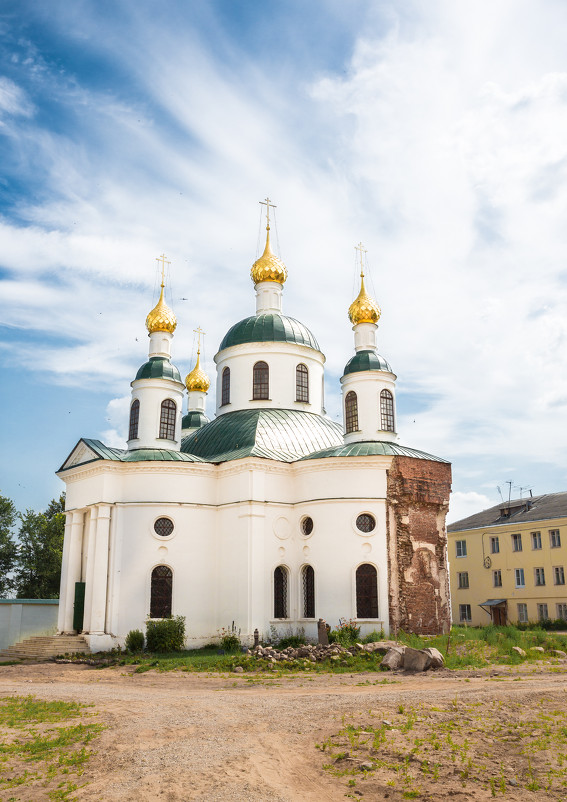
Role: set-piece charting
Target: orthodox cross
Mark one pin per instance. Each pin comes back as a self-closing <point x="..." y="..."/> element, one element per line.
<point x="164" y="262"/>
<point x="267" y="203"/>
<point x="198" y="331"/>
<point x="360" y="247"/>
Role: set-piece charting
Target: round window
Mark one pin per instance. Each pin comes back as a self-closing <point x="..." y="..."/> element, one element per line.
<point x="163" y="527"/>
<point x="306" y="526"/>
<point x="365" y="522"/>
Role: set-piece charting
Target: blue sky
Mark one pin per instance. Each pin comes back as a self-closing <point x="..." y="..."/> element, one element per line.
<point x="433" y="132"/>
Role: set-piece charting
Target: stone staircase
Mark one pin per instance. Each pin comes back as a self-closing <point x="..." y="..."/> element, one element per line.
<point x="44" y="647"/>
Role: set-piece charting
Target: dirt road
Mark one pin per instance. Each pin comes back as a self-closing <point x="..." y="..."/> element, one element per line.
<point x="182" y="736"/>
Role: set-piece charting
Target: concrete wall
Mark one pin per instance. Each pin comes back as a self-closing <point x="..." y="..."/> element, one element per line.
<point x="24" y="618"/>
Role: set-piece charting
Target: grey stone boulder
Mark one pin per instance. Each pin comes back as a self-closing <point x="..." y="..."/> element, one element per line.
<point x="539" y="649"/>
<point x="437" y="659"/>
<point x="393" y="659"/>
<point x="416" y="659"/>
<point x="519" y="651"/>
<point x="380" y="646"/>
<point x="559" y="653"/>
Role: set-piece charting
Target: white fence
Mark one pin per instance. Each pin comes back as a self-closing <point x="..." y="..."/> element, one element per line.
<point x="24" y="618"/>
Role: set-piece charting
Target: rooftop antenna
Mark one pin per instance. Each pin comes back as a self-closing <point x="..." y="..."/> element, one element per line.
<point x="500" y="492"/>
<point x="509" y="492"/>
<point x="521" y="489"/>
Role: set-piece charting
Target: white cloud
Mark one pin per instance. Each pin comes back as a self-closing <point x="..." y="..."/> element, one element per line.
<point x="464" y="504"/>
<point x="13" y="99"/>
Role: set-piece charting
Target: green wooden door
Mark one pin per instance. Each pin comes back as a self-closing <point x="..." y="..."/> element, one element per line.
<point x="79" y="607"/>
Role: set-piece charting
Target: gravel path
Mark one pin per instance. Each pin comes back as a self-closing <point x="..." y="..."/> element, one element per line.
<point x="181" y="736"/>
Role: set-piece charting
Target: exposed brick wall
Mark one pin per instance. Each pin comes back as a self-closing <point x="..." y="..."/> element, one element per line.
<point x="418" y="500"/>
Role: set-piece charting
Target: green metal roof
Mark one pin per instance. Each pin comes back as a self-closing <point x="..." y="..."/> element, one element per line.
<point x="279" y="434"/>
<point x="366" y="360"/>
<point x="371" y="448"/>
<point x="269" y="327"/>
<point x="194" y="420"/>
<point x="136" y="455"/>
<point x="158" y="368"/>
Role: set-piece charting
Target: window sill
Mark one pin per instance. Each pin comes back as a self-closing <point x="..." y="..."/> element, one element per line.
<point x="225" y="405"/>
<point x="260" y="399"/>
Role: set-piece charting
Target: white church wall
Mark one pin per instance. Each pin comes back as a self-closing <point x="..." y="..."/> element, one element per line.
<point x="151" y="393"/>
<point x="282" y="360"/>
<point x="368" y="386"/>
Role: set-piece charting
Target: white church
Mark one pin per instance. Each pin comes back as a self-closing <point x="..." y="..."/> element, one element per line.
<point x="268" y="515"/>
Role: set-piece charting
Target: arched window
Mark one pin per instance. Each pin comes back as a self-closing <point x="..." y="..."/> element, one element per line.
<point x="301" y="383"/>
<point x="387" y="411"/>
<point x="161" y="592"/>
<point x="167" y="420"/>
<point x="261" y="382"/>
<point x="225" y="393"/>
<point x="134" y="418"/>
<point x="308" y="591"/>
<point x="351" y="412"/>
<point x="280" y="592"/>
<point x="366" y="591"/>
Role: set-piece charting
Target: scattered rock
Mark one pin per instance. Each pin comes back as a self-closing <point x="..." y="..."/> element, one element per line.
<point x="416" y="659"/>
<point x="393" y="659"/>
<point x="238" y="670"/>
<point x="512" y="781"/>
<point x="519" y="651"/>
<point x="366" y="766"/>
<point x="537" y="649"/>
<point x="437" y="659"/>
<point x="558" y="653"/>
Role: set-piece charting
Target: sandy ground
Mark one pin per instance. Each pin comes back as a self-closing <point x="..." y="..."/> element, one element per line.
<point x="181" y="736"/>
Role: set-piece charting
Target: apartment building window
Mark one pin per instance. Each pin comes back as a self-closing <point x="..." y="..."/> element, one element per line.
<point x="536" y="540"/>
<point x="558" y="575"/>
<point x="465" y="615"/>
<point x="463" y="577"/>
<point x="497" y="578"/>
<point x="523" y="613"/>
<point x="494" y="545"/>
<point x="461" y="548"/>
<point x="539" y="576"/>
<point x="562" y="611"/>
<point x="554" y="538"/>
<point x="542" y="613"/>
<point x="520" y="580"/>
<point x="516" y="542"/>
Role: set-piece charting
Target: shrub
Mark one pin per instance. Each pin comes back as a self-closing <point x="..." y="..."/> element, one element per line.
<point x="230" y="638"/>
<point x="134" y="641"/>
<point x="166" y="634"/>
<point x="291" y="640"/>
<point x="374" y="636"/>
<point x="346" y="633"/>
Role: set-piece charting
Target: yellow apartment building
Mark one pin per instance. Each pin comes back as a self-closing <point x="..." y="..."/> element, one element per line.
<point x="507" y="564"/>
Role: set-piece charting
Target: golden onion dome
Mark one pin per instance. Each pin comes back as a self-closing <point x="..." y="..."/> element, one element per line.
<point x="161" y="318"/>
<point x="363" y="309"/>
<point x="268" y="267"/>
<point x="197" y="379"/>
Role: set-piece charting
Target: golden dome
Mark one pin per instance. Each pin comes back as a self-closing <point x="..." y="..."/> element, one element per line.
<point x="161" y="318"/>
<point x="197" y="379"/>
<point x="268" y="267"/>
<point x="363" y="309"/>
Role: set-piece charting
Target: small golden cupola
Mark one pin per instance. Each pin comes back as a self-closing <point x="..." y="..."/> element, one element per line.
<point x="364" y="308"/>
<point x="197" y="379"/>
<point x="268" y="267"/>
<point x="161" y="318"/>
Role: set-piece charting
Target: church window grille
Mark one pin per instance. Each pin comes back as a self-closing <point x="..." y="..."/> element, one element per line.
<point x="308" y="587"/>
<point x="302" y="383"/>
<point x="261" y="382"/>
<point x="365" y="522"/>
<point x="134" y="420"/>
<point x="387" y="411"/>
<point x="351" y="412"/>
<point x="366" y="591"/>
<point x="225" y="390"/>
<point x="306" y="526"/>
<point x="167" y="420"/>
<point x="280" y="592"/>
<point x="161" y="592"/>
<point x="163" y="527"/>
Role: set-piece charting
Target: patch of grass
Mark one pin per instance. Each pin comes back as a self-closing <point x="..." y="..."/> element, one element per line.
<point x="27" y="735"/>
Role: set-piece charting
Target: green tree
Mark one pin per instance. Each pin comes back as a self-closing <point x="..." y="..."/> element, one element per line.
<point x="8" y="547"/>
<point x="38" y="571"/>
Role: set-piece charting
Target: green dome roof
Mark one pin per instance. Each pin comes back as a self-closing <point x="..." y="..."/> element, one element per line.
<point x="269" y="327"/>
<point x="158" y="368"/>
<point x="371" y="448"/>
<point x="279" y="434"/>
<point x="194" y="420"/>
<point x="366" y="360"/>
